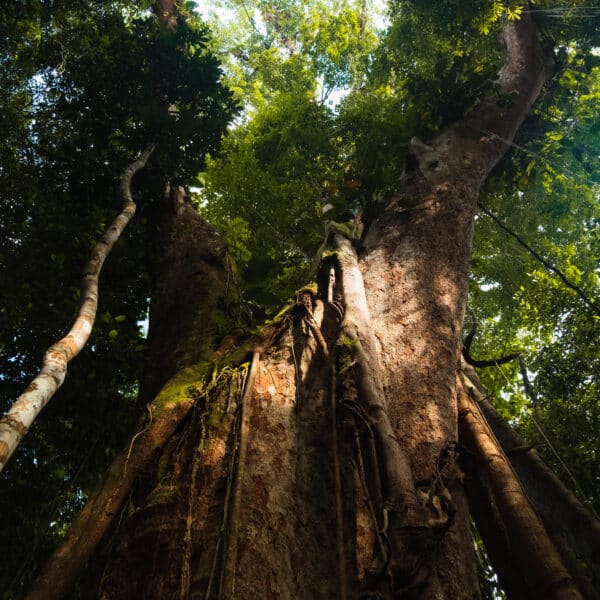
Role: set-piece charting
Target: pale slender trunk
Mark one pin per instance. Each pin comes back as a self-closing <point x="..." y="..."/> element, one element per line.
<point x="21" y="415"/>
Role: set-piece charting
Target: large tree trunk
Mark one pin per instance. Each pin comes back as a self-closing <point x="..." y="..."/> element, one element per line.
<point x="328" y="470"/>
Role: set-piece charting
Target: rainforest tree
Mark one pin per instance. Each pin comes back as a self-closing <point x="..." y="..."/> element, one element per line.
<point x="341" y="447"/>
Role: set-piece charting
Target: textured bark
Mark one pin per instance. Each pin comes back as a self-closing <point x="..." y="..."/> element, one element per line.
<point x="544" y="572"/>
<point x="411" y="531"/>
<point x="15" y="424"/>
<point x="172" y="527"/>
<point x="279" y="506"/>
<point x="391" y="375"/>
<point x="230" y="560"/>
<point x="192" y="283"/>
<point x="416" y="266"/>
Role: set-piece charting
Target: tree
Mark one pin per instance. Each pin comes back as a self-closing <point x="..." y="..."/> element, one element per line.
<point x="320" y="456"/>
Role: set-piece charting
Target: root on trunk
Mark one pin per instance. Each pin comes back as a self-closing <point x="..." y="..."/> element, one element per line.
<point x="412" y="519"/>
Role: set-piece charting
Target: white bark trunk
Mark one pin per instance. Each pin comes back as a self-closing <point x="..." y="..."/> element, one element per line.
<point x="15" y="424"/>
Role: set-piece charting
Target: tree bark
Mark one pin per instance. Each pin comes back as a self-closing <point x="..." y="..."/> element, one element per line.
<point x="544" y="572"/>
<point x="494" y="535"/>
<point x="192" y="287"/>
<point x="390" y="368"/>
<point x="416" y="269"/>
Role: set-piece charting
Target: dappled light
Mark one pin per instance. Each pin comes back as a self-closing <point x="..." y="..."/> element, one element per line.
<point x="347" y="346"/>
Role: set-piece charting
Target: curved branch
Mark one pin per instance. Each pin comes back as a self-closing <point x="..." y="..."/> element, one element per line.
<point x="15" y="424"/>
<point x="520" y="80"/>
<point x="481" y="364"/>
<point x="543" y="261"/>
<point x="472" y="146"/>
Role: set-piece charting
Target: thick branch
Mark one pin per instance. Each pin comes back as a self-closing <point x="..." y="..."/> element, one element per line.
<point x="521" y="78"/>
<point x="494" y="536"/>
<point x="106" y="503"/>
<point x="471" y="147"/>
<point x="541" y="260"/>
<point x="24" y="411"/>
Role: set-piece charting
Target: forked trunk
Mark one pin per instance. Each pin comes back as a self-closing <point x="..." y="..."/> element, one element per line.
<point x="329" y="470"/>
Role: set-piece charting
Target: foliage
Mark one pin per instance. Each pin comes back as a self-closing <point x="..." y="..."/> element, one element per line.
<point x="546" y="192"/>
<point x="284" y="165"/>
<point x="330" y="101"/>
<point x="84" y="86"/>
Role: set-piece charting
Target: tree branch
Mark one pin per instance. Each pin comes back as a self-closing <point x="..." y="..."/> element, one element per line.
<point x="547" y="577"/>
<point x="521" y="79"/>
<point x="526" y="382"/>
<point x="15" y="424"/>
<point x="482" y="364"/>
<point x="563" y="514"/>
